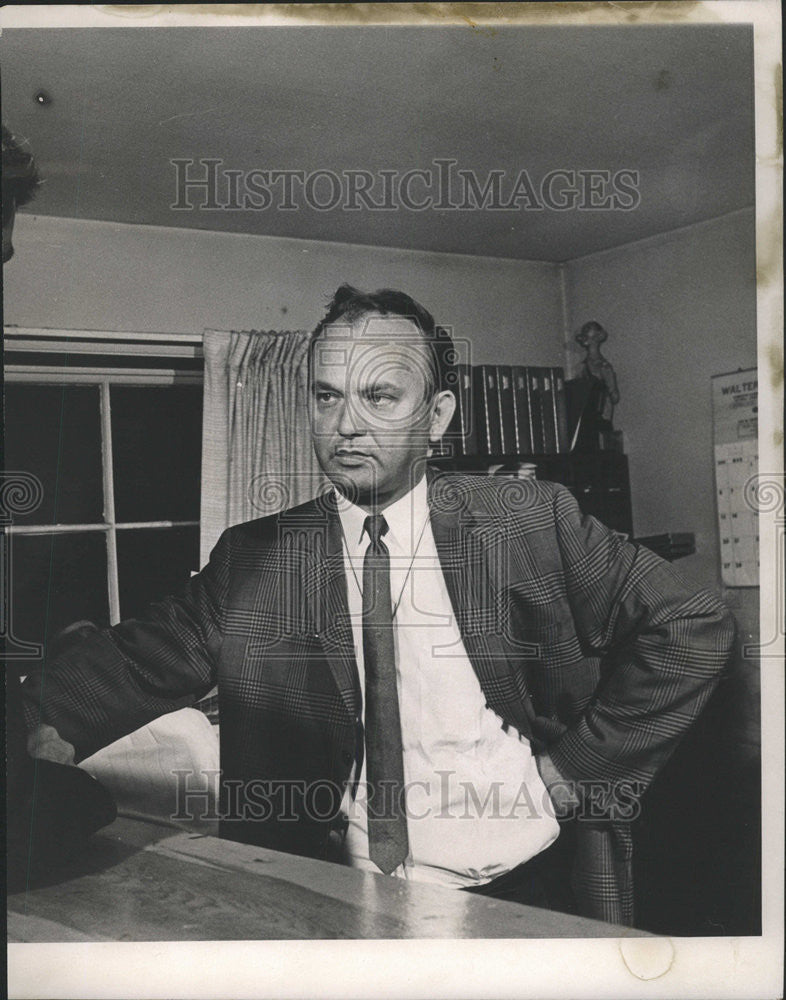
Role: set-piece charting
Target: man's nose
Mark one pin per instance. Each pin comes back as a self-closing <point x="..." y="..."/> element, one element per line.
<point x="350" y="422"/>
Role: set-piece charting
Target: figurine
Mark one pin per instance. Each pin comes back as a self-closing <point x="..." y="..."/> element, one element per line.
<point x="596" y="367"/>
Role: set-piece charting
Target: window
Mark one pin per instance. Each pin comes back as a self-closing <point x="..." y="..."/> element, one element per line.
<point x="116" y="447"/>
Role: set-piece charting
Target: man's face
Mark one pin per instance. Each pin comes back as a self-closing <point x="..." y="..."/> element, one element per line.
<point x="373" y="407"/>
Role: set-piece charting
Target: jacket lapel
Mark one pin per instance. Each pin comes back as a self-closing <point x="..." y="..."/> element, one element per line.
<point x="324" y="590"/>
<point x="467" y="552"/>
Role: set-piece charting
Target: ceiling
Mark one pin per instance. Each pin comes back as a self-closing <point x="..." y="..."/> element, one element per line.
<point x="674" y="103"/>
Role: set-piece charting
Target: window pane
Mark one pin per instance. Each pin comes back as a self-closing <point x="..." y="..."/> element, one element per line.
<point x="157" y="452"/>
<point x="153" y="563"/>
<point x="54" y="431"/>
<point x="57" y="580"/>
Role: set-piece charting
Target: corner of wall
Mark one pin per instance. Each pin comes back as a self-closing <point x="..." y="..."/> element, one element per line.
<point x="569" y="359"/>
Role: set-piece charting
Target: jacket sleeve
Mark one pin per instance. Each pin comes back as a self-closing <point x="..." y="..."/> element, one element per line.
<point x="121" y="678"/>
<point x="662" y="643"/>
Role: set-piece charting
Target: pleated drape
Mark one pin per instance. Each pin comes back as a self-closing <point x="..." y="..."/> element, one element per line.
<point x="257" y="454"/>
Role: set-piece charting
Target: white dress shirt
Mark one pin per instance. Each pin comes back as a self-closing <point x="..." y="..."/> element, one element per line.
<point x="476" y="804"/>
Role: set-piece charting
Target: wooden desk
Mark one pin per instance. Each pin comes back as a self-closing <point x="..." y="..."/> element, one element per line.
<point x="148" y="882"/>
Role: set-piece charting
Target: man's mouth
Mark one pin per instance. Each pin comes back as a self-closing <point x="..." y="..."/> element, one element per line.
<point x="351" y="456"/>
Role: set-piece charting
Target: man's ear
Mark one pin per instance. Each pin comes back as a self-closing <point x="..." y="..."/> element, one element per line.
<point x="444" y="406"/>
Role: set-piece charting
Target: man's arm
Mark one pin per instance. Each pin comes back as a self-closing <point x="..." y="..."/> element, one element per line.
<point x="663" y="645"/>
<point x="121" y="678"/>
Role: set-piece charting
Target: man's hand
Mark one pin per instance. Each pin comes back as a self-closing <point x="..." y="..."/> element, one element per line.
<point x="46" y="744"/>
<point x="561" y="790"/>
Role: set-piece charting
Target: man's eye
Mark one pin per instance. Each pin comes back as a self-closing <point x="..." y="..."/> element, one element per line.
<point x="323" y="396"/>
<point x="380" y="398"/>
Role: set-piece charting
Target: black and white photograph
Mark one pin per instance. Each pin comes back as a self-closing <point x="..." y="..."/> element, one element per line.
<point x="392" y="500"/>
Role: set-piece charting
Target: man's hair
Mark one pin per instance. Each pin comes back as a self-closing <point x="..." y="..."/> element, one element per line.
<point x="350" y="304"/>
<point x="20" y="177"/>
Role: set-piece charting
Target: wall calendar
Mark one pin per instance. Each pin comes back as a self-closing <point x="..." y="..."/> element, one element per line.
<point x="735" y="438"/>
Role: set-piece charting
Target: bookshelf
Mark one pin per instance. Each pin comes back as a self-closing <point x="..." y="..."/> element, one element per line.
<point x="511" y="414"/>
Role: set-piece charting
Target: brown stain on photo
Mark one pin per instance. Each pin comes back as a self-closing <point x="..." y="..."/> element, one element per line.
<point x="775" y="364"/>
<point x="132" y="10"/>
<point x="477" y="16"/>
<point x="774" y="354"/>
<point x="769" y="242"/>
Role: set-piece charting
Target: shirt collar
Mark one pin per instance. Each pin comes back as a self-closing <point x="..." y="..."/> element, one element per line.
<point x="405" y="518"/>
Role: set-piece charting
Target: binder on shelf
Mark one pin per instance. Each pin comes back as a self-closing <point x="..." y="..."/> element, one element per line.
<point x="507" y="410"/>
<point x="518" y="410"/>
<point x="461" y="432"/>
<point x="560" y="409"/>
<point x="486" y="409"/>
<point x="535" y="379"/>
<point x="522" y="408"/>
<point x="548" y="412"/>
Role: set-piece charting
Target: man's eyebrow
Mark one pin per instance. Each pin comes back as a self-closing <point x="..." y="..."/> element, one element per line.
<point x="382" y="387"/>
<point x="318" y="384"/>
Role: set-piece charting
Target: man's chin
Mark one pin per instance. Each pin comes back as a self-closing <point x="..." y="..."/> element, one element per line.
<point x="353" y="483"/>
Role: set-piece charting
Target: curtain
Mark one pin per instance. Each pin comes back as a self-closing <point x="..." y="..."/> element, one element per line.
<point x="257" y="454"/>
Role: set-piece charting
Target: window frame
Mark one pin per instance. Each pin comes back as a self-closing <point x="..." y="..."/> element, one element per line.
<point x="87" y="342"/>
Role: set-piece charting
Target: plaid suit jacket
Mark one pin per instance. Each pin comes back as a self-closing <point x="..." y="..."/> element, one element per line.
<point x="587" y="644"/>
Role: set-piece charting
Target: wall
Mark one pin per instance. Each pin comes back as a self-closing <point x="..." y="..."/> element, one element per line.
<point x="679" y="308"/>
<point x="71" y="273"/>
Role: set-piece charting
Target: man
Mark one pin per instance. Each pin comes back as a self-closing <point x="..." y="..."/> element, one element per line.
<point x="472" y="655"/>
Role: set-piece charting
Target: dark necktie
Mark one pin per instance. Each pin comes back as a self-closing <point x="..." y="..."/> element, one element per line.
<point x="387" y="820"/>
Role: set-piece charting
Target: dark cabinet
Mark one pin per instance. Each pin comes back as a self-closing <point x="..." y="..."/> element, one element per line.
<point x="597" y="479"/>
